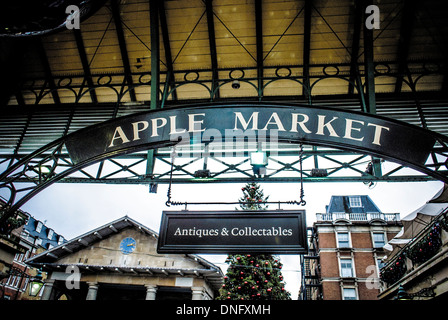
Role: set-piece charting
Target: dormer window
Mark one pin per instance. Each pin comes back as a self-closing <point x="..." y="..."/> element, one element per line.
<point x="39" y="226"/>
<point x="355" y="202"/>
<point x="50" y="233"/>
<point x="60" y="240"/>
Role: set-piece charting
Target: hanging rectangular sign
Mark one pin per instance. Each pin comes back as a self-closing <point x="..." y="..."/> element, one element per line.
<point x="280" y="232"/>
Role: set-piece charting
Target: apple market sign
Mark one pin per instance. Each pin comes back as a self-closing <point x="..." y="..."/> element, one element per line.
<point x="281" y="232"/>
<point x="361" y="132"/>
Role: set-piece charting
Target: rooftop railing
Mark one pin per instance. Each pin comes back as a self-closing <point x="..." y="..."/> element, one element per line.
<point x="388" y="217"/>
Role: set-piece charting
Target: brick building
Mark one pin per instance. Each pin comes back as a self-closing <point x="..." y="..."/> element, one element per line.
<point x="33" y="237"/>
<point x="346" y="250"/>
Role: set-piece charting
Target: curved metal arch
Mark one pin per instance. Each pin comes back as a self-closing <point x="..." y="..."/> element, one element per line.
<point x="307" y="88"/>
<point x="110" y="87"/>
<point x="47" y="156"/>
<point x="170" y="92"/>
<point x="39" y="97"/>
<point x="80" y="94"/>
<point x="337" y="76"/>
<point x="34" y="93"/>
<point x="74" y="93"/>
<point x="333" y="77"/>
<point x="213" y="94"/>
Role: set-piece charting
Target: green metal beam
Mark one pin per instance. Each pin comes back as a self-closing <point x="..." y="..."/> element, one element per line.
<point x="47" y="70"/>
<point x="244" y="180"/>
<point x="283" y="167"/>
<point x="85" y="63"/>
<point x="407" y="23"/>
<point x="115" y="6"/>
<point x="307" y="49"/>
<point x="357" y="25"/>
<point x="259" y="42"/>
<point x="170" y="80"/>
<point x="369" y="67"/>
<point x="212" y="45"/>
<point x="155" y="53"/>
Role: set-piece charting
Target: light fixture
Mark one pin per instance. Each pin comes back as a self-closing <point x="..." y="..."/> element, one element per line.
<point x="153" y="187"/>
<point x="423" y="293"/>
<point x="236" y="84"/>
<point x="369" y="172"/>
<point x="202" y="173"/>
<point x="45" y="170"/>
<point x="259" y="158"/>
<point x="36" y="284"/>
<point x="317" y="172"/>
<point x="259" y="161"/>
<point x="402" y="294"/>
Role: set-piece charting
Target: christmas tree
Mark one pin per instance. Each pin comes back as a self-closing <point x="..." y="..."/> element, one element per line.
<point x="253" y="277"/>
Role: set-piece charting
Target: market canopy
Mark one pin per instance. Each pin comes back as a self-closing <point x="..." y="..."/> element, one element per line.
<point x="131" y="57"/>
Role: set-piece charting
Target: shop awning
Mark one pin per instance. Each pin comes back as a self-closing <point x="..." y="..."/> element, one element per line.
<point x="419" y="219"/>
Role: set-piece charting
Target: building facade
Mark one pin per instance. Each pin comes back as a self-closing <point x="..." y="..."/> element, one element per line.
<point x="9" y="243"/>
<point x="33" y="237"/>
<point x="346" y="250"/>
<point x="119" y="261"/>
<point x="416" y="267"/>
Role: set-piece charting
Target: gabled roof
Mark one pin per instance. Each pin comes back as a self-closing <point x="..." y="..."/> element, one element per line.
<point x="48" y="260"/>
<point x="88" y="239"/>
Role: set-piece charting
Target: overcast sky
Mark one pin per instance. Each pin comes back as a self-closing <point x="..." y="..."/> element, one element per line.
<point x="74" y="209"/>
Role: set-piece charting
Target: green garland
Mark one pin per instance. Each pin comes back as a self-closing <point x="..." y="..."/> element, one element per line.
<point x="426" y="247"/>
<point x="419" y="252"/>
<point x="395" y="271"/>
<point x="444" y="222"/>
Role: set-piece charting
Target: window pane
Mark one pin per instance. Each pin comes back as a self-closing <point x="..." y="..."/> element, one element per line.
<point x="346" y="268"/>
<point x="349" y="294"/>
<point x="355" y="202"/>
<point x="39" y="226"/>
<point x="378" y="240"/>
<point x="343" y="241"/>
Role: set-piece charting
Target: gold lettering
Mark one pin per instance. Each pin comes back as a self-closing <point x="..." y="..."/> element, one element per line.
<point x="295" y="122"/>
<point x="276" y="122"/>
<point x="155" y="126"/>
<point x="322" y="125"/>
<point x="349" y="128"/>
<point x="137" y="130"/>
<point x="244" y="124"/>
<point x="121" y="136"/>
<point x="173" y="126"/>
<point x="192" y="123"/>
<point x="378" y="132"/>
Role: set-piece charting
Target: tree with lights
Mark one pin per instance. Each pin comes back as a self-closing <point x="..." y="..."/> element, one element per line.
<point x="253" y="277"/>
